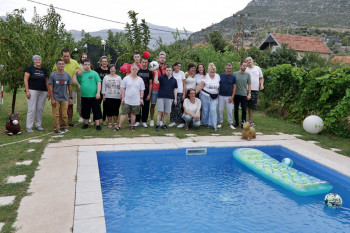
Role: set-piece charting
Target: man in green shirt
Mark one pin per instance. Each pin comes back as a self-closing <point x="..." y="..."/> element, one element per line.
<point x="90" y="87"/>
<point x="70" y="66"/>
<point x="243" y="91"/>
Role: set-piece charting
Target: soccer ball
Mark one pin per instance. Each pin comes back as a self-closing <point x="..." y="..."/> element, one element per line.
<point x="313" y="124"/>
<point x="153" y="65"/>
<point x="287" y="161"/>
<point x="333" y="200"/>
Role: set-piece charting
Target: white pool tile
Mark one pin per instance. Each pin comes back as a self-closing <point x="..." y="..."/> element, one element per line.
<point x="93" y="225"/>
<point x="88" y="211"/>
<point x="88" y="169"/>
<point x="95" y="176"/>
<point x="88" y="198"/>
<point x="88" y="186"/>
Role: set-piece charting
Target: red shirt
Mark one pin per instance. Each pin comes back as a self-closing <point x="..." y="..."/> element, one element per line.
<point x="160" y="71"/>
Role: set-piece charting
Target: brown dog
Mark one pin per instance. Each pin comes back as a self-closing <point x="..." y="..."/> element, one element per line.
<point x="248" y="131"/>
<point x="12" y="125"/>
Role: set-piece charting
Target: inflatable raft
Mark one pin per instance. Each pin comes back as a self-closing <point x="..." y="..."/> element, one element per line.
<point x="281" y="174"/>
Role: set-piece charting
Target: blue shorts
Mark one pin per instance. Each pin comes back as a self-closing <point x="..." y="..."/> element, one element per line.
<point x="154" y="97"/>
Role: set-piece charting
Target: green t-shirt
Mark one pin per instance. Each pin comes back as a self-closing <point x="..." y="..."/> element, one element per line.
<point x="88" y="83"/>
<point x="242" y="81"/>
<point x="70" y="68"/>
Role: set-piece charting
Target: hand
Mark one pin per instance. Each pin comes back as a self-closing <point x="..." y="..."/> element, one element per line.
<point x="148" y="97"/>
<point x="28" y="95"/>
<point x="78" y="72"/>
<point x="141" y="101"/>
<point x="104" y="98"/>
<point x="248" y="97"/>
<point x="70" y="102"/>
<point x="230" y="100"/>
<point x="183" y="98"/>
<point x="196" y="117"/>
<point x="123" y="101"/>
<point x="98" y="96"/>
<point x="175" y="102"/>
<point x="48" y="96"/>
<point x="261" y="87"/>
<point x="53" y="103"/>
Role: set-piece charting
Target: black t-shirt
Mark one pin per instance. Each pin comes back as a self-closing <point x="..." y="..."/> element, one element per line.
<point x="166" y="87"/>
<point x="37" y="78"/>
<point x="101" y="72"/>
<point x="146" y="75"/>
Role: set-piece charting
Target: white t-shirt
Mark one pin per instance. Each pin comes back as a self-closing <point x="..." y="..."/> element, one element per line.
<point x="198" y="78"/>
<point x="255" y="74"/>
<point x="132" y="90"/>
<point x="190" y="83"/>
<point x="179" y="76"/>
<point x="211" y="85"/>
<point x="111" y="87"/>
<point x="192" y="108"/>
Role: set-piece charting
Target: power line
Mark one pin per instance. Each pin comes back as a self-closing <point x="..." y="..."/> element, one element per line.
<point x="95" y="17"/>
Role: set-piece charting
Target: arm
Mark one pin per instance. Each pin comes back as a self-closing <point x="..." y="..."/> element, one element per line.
<point x="200" y="87"/>
<point x="75" y="80"/>
<point x="156" y="81"/>
<point x="103" y="89"/>
<point x="150" y="90"/>
<point x="249" y="91"/>
<point x="26" y="85"/>
<point x="47" y="86"/>
<point x="233" y="94"/>
<point x="70" y="102"/>
<point x="175" y="96"/>
<point x="184" y="89"/>
<point x="53" y="101"/>
<point x="123" y="95"/>
<point x="261" y="80"/>
<point x="141" y="97"/>
<point x="98" y="90"/>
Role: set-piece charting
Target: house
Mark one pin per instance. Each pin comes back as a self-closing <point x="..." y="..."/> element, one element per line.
<point x="341" y="59"/>
<point x="301" y="44"/>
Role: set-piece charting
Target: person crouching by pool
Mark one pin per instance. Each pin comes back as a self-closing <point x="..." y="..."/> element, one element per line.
<point x="90" y="87"/>
<point x="192" y="109"/>
<point x="132" y="96"/>
<point x="167" y="93"/>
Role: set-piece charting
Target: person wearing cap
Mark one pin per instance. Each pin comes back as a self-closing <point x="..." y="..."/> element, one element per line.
<point x="155" y="86"/>
<point x="36" y="86"/>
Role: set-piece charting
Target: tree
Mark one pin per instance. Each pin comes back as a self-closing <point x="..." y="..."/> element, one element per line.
<point x="284" y="55"/>
<point x="137" y="35"/>
<point x="215" y="38"/>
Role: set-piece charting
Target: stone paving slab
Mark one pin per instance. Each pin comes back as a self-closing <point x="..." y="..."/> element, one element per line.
<point x="7" y="200"/>
<point x="16" y="179"/>
<point x="26" y="162"/>
<point x="1" y="225"/>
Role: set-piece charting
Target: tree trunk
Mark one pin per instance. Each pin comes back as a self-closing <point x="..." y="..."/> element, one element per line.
<point x="14" y="99"/>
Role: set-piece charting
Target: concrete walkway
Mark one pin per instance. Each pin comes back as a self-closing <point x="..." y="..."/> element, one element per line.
<point x="57" y="202"/>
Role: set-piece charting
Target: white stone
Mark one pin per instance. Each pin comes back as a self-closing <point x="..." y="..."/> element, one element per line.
<point x="87" y="136"/>
<point x="1" y="225"/>
<point x="35" y="140"/>
<point x="313" y="142"/>
<point x="237" y="134"/>
<point x="6" y="201"/>
<point x="215" y="134"/>
<point x="335" y="149"/>
<point x="57" y="136"/>
<point x="191" y="135"/>
<point x="259" y="133"/>
<point x="144" y="135"/>
<point x="26" y="162"/>
<point x="16" y="179"/>
<point x="30" y="150"/>
<point x="169" y="135"/>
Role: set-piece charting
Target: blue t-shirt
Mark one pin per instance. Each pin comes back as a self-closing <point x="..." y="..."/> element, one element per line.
<point x="166" y="87"/>
<point x="226" y="84"/>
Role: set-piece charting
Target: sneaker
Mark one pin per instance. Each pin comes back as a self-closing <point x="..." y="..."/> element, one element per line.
<point x="132" y="128"/>
<point x="64" y="130"/>
<point x="136" y="124"/>
<point x="164" y="127"/>
<point x="117" y="128"/>
<point x="89" y="120"/>
<point x="28" y="130"/>
<point x="98" y="127"/>
<point x="219" y="126"/>
<point x="172" y="124"/>
<point x="59" y="132"/>
<point x="231" y="127"/>
<point x="85" y="126"/>
<point x="216" y="129"/>
<point x="39" y="128"/>
<point x="157" y="127"/>
<point x="181" y="125"/>
<point x="161" y="123"/>
<point x="144" y="124"/>
<point x="151" y="123"/>
<point x="80" y="120"/>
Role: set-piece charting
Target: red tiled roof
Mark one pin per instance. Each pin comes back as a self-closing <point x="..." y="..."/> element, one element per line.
<point x="302" y="43"/>
<point x="341" y="59"/>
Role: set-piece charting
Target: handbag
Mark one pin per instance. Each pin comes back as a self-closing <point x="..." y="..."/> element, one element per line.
<point x="213" y="96"/>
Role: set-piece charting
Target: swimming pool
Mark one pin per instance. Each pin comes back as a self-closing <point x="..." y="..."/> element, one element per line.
<point x="168" y="191"/>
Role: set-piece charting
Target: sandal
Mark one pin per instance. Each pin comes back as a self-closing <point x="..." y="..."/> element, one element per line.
<point x="109" y="125"/>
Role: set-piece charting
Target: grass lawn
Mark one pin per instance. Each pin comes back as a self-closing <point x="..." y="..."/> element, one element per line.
<point x="14" y="149"/>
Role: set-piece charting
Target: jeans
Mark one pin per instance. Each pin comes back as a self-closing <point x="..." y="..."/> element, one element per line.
<point x="223" y="101"/>
<point x="36" y="105"/>
<point x="188" y="119"/>
<point x="243" y="101"/>
<point x="209" y="115"/>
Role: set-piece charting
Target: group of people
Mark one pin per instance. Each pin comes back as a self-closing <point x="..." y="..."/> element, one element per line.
<point x="192" y="98"/>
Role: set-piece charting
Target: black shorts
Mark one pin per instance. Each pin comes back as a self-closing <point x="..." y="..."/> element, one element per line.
<point x="253" y="102"/>
<point x="88" y="104"/>
<point x="111" y="106"/>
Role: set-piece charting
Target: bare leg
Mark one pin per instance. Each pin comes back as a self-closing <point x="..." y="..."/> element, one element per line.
<point x="250" y="110"/>
<point x="97" y="122"/>
<point x="165" y="116"/>
<point x="121" y="121"/>
<point x="70" y="114"/>
<point x="159" y="116"/>
<point x="133" y="117"/>
<point x="152" y="111"/>
<point x="115" y="118"/>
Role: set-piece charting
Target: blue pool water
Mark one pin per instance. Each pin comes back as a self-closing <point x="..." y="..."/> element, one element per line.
<point x="168" y="191"/>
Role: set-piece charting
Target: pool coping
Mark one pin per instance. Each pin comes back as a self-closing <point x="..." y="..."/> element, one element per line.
<point x="77" y="203"/>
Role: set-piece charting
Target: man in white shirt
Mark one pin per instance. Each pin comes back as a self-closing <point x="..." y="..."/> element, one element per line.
<point x="257" y="80"/>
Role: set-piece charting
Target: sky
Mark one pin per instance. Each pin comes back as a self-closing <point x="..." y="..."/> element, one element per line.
<point x="193" y="15"/>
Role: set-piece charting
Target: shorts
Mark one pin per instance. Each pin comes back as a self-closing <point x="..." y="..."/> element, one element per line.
<point x="154" y="97"/>
<point x="88" y="104"/>
<point x="164" y="105"/>
<point x="253" y="102"/>
<point x="133" y="109"/>
<point x="111" y="107"/>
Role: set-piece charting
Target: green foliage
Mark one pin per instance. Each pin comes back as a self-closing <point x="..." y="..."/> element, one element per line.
<point x="137" y="35"/>
<point x="216" y="39"/>
<point x="284" y="55"/>
<point x="313" y="60"/>
<point x="295" y="93"/>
